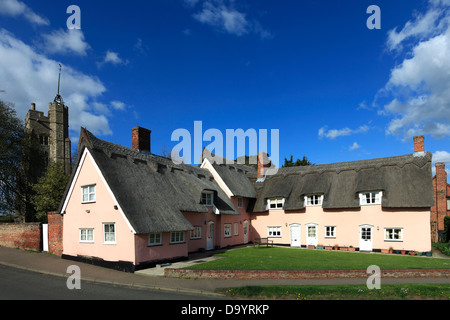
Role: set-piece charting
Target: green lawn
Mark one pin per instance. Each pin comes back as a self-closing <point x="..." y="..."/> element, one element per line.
<point x="278" y="258"/>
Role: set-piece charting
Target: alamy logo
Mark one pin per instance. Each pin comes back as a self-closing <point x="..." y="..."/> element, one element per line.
<point x="374" y="280"/>
<point x="74" y="21"/>
<point x="234" y="145"/>
<point x="74" y="281"/>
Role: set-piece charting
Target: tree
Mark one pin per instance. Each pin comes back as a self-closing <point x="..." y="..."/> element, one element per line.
<point x="298" y="162"/>
<point x="49" y="190"/>
<point x="11" y="137"/>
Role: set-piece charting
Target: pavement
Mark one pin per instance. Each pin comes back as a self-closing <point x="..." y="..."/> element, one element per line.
<point x="153" y="278"/>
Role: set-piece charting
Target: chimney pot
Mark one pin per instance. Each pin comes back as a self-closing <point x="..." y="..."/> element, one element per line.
<point x="33" y="106"/>
<point x="419" y="144"/>
<point x="140" y="139"/>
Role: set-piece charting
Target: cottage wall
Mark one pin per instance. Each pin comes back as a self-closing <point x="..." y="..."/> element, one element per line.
<point x="415" y="224"/>
<point x="80" y="215"/>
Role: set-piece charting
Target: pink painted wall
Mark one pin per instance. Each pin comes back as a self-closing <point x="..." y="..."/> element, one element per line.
<point x="415" y="224"/>
<point x="144" y="252"/>
<point x="101" y="211"/>
<point x="202" y="220"/>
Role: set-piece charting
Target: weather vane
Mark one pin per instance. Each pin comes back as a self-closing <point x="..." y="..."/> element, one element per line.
<point x="58" y="97"/>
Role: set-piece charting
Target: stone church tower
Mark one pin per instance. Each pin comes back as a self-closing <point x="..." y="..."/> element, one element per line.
<point x="52" y="131"/>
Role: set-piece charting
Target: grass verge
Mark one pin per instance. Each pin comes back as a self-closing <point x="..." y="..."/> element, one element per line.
<point x="342" y="292"/>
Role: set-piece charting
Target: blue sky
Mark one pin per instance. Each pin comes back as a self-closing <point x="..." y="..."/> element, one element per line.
<point x="335" y="89"/>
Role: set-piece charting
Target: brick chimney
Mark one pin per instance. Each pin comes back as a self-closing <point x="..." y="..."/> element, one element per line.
<point x="140" y="139"/>
<point x="419" y="144"/>
<point x="263" y="164"/>
<point x="440" y="198"/>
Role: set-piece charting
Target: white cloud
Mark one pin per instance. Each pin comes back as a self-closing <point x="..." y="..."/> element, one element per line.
<point x="66" y="41"/>
<point x="118" y="105"/>
<point x="28" y="76"/>
<point x="113" y="58"/>
<point x="354" y="146"/>
<point x="224" y="17"/>
<point x="334" y="133"/>
<point x="418" y="90"/>
<point x="17" y="8"/>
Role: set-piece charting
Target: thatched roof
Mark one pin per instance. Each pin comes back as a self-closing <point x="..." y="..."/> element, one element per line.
<point x="152" y="191"/>
<point x="404" y="180"/>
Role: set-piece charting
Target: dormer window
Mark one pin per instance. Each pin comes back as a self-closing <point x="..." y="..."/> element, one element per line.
<point x="275" y="203"/>
<point x="314" y="200"/>
<point x="368" y="198"/>
<point x="207" y="198"/>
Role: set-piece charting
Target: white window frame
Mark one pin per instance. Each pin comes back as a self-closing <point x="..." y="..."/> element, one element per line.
<point x="86" y="235"/>
<point x="277" y="203"/>
<point x="89" y="193"/>
<point x="227" y="230"/>
<point x="154" y="239"/>
<point x="240" y="202"/>
<point x="374" y="198"/>
<point x="177" y="237"/>
<point x="274" y="231"/>
<point x="196" y="233"/>
<point x="330" y="232"/>
<point x="314" y="200"/>
<point x="207" y="198"/>
<point x="390" y="232"/>
<point x="106" y="233"/>
<point x="236" y="228"/>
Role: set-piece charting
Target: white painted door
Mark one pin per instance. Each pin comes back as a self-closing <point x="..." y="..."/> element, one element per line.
<point x="295" y="235"/>
<point x="365" y="238"/>
<point x="311" y="234"/>
<point x="210" y="236"/>
<point x="245" y="231"/>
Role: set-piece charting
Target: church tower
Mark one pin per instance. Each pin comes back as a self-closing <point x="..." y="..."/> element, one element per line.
<point x="53" y="130"/>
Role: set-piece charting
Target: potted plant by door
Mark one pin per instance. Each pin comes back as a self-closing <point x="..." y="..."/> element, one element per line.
<point x="335" y="247"/>
<point x="391" y="250"/>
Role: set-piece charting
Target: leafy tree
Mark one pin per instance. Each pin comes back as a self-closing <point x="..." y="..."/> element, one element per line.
<point x="49" y="190"/>
<point x="11" y="137"/>
<point x="298" y="162"/>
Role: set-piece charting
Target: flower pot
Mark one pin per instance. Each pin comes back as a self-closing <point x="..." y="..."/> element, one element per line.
<point x="343" y="248"/>
<point x="403" y="251"/>
<point x="328" y="248"/>
<point x="351" y="249"/>
<point x="384" y="251"/>
<point x="319" y="247"/>
<point x="311" y="247"/>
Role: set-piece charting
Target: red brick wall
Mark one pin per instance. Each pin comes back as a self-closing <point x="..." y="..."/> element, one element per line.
<point x="302" y="274"/>
<point x="439" y="210"/>
<point x="21" y="235"/>
<point x="55" y="233"/>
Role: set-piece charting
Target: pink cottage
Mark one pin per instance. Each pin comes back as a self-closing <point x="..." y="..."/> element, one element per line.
<point x="130" y="209"/>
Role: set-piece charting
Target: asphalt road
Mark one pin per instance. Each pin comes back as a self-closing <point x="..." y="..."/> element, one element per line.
<point x="16" y="284"/>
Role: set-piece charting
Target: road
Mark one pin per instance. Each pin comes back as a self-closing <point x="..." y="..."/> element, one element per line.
<point x="17" y="284"/>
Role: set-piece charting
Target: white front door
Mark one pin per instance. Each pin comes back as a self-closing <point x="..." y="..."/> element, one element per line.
<point x="210" y="236"/>
<point x="295" y="235"/>
<point x="245" y="231"/>
<point x="311" y="234"/>
<point x="365" y="238"/>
